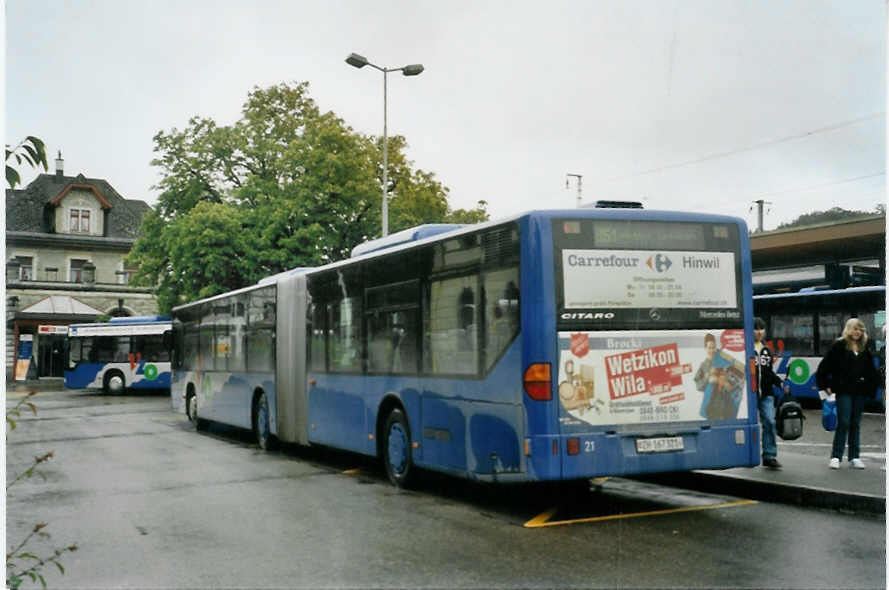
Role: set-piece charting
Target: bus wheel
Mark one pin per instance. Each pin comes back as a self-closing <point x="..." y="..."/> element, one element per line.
<point x="114" y="383"/>
<point x="191" y="410"/>
<point x="397" y="449"/>
<point x="261" y="423"/>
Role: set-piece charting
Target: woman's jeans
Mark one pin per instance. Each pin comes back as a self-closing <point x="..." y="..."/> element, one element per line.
<point x="849" y="409"/>
<point x="767" y="418"/>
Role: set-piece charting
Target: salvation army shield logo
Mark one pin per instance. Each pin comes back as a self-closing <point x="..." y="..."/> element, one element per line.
<point x="580" y="345"/>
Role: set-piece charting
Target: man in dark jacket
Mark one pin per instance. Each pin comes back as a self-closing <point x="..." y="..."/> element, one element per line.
<point x="766" y="381"/>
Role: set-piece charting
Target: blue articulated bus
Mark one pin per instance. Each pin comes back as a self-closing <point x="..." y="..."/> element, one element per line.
<point x="126" y="352"/>
<point x="801" y="326"/>
<point x="554" y="345"/>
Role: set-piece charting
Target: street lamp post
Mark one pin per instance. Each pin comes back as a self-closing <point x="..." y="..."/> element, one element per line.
<point x="359" y="61"/>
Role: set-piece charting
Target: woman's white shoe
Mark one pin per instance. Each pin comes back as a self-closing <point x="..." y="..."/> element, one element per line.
<point x="857" y="464"/>
<point x="834" y="463"/>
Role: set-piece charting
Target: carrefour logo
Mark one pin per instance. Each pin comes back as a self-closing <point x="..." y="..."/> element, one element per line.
<point x="659" y="262"/>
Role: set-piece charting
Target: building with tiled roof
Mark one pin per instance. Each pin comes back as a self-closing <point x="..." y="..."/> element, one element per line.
<point x="67" y="238"/>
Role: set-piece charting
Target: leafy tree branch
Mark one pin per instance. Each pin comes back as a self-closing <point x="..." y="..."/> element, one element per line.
<point x="30" y="151"/>
<point x="286" y="185"/>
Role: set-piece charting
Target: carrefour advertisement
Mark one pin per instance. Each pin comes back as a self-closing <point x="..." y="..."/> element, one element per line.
<point x="610" y="378"/>
<point x="645" y="279"/>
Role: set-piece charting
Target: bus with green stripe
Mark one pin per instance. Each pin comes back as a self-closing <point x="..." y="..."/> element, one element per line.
<point x="124" y="353"/>
<point x="802" y="325"/>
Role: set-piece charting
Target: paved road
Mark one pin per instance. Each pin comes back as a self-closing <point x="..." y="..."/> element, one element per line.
<point x="153" y="504"/>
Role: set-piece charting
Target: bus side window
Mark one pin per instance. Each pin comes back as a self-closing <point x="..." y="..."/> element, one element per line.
<point x="168" y="343"/>
<point x="830" y="327"/>
<point x="797" y="331"/>
<point x="501" y="312"/>
<point x="315" y="337"/>
<point x="392" y="342"/>
<point x="260" y="341"/>
<point x="452" y="344"/>
<point x="121" y="348"/>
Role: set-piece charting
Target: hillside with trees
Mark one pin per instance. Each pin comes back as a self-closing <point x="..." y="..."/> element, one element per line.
<point x="831" y="215"/>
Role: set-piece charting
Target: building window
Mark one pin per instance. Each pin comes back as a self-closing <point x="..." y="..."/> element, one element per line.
<point x="26" y="268"/>
<point x="52" y="273"/>
<point x="80" y="221"/>
<point x="126" y="275"/>
<point x="77" y="274"/>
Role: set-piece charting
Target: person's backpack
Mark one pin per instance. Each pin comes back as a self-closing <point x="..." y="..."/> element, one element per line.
<point x="789" y="419"/>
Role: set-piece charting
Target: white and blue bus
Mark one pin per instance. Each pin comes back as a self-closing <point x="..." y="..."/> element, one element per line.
<point x="554" y="345"/>
<point x="801" y="326"/>
<point x="127" y="352"/>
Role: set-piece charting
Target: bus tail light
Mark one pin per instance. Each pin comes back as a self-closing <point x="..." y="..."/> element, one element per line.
<point x="537" y="382"/>
<point x="573" y="446"/>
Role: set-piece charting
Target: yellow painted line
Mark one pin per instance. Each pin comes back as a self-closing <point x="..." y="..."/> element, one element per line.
<point x="355" y="471"/>
<point x="542" y="519"/>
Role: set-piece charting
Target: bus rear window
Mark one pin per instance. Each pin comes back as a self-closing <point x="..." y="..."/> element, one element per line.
<point x="624" y="274"/>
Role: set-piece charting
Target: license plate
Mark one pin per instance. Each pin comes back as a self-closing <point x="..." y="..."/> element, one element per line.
<point x="659" y="445"/>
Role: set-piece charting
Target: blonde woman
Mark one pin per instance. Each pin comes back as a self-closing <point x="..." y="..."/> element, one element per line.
<point x="848" y="371"/>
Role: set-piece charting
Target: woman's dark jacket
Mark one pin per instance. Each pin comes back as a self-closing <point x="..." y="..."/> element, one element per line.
<point x="845" y="372"/>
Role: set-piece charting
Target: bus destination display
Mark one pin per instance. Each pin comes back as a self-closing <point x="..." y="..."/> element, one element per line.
<point x="642" y="279"/>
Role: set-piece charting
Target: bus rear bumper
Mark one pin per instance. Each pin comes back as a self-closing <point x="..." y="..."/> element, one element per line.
<point x="588" y="455"/>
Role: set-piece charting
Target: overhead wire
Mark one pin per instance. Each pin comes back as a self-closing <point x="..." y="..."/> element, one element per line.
<point x="769" y="143"/>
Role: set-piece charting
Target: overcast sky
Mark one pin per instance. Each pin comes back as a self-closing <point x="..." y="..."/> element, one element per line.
<point x="706" y="105"/>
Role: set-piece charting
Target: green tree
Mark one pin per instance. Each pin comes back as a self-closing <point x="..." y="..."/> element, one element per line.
<point x="476" y="215"/>
<point x="31" y="151"/>
<point x="285" y="186"/>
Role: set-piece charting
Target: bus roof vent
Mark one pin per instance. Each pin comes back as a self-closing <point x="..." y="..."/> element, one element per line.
<point x="618" y="205"/>
<point x="413" y="234"/>
<point x="139" y="319"/>
<point x="276" y="277"/>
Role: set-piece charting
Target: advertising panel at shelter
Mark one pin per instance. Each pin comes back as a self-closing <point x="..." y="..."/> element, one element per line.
<point x="610" y="378"/>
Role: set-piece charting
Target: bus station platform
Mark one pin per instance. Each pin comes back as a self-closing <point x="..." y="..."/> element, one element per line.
<point x="805" y="478"/>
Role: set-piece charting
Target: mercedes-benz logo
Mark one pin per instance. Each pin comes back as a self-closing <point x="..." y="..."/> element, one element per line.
<point x="654" y="314"/>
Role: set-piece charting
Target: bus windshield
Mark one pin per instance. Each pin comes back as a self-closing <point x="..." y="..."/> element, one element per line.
<point x="629" y="274"/>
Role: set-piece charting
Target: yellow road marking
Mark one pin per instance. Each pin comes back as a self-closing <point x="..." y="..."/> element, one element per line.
<point x="542" y="520"/>
<point x="352" y="471"/>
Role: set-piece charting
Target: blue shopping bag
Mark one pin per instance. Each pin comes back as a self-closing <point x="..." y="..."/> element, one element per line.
<point x="829" y="414"/>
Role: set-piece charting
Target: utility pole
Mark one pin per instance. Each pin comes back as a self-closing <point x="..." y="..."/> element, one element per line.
<point x="759" y="207"/>
<point x="579" y="178"/>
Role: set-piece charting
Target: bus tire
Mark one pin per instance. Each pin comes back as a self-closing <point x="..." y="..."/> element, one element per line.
<point x="191" y="410"/>
<point x="114" y="383"/>
<point x="397" y="457"/>
<point x="261" y="428"/>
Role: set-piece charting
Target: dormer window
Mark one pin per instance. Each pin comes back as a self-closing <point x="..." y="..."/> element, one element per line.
<point x="80" y="221"/>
